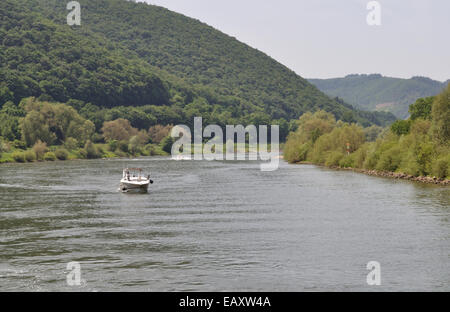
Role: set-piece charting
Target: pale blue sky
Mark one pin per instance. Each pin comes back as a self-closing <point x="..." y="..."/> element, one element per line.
<point x="331" y="38"/>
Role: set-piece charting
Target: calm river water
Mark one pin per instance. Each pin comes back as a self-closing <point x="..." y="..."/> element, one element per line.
<point x="219" y="226"/>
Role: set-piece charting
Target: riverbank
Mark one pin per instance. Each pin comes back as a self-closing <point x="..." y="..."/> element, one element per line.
<point x="99" y="151"/>
<point x="60" y="153"/>
<point x="386" y="174"/>
<point x="404" y="176"/>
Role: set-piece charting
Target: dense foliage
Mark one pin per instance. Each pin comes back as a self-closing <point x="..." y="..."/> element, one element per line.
<point x="53" y="123"/>
<point x="375" y="92"/>
<point x="419" y="146"/>
<point x="51" y="131"/>
<point x="39" y="57"/>
<point x="167" y="66"/>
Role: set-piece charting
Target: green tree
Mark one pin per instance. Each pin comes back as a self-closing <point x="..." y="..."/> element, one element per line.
<point x="91" y="150"/>
<point x="81" y="130"/>
<point x="34" y="128"/>
<point x="53" y="123"/>
<point x="372" y="133"/>
<point x="71" y="144"/>
<point x="62" y="154"/>
<point x="50" y="156"/>
<point x="159" y="132"/>
<point x="5" y="94"/>
<point x="284" y="128"/>
<point x="2" y="147"/>
<point x="166" y="144"/>
<point x="134" y="145"/>
<point x="9" y="127"/>
<point x="401" y="127"/>
<point x="441" y="117"/>
<point x="424" y="153"/>
<point x="40" y="148"/>
<point x="421" y="108"/>
<point x="10" y="115"/>
<point x="120" y="130"/>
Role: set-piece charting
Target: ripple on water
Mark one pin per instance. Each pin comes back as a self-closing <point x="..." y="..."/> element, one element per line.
<point x="218" y="226"/>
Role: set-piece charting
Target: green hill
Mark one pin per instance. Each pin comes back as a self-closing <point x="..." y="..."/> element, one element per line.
<point x="377" y="93"/>
<point x="167" y="66"/>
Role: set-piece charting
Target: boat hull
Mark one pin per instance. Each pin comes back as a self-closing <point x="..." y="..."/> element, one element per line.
<point x="141" y="187"/>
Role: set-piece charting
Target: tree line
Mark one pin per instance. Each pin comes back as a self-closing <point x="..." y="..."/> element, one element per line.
<point x="38" y="130"/>
<point x="419" y="146"/>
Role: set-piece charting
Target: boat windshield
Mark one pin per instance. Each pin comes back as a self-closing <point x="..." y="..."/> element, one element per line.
<point x="134" y="173"/>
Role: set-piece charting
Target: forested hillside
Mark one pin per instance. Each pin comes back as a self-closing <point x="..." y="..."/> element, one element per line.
<point x="377" y="93"/>
<point x="167" y="66"/>
<point x="39" y="57"/>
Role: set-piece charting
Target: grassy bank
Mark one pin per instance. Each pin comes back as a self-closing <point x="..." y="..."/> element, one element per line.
<point x="60" y="153"/>
<point x="38" y="130"/>
<point x="95" y="151"/>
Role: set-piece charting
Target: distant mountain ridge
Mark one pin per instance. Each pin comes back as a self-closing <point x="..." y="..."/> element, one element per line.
<point x="375" y="92"/>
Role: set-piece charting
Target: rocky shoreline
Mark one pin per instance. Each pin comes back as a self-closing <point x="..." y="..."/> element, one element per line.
<point x="393" y="175"/>
<point x="404" y="176"/>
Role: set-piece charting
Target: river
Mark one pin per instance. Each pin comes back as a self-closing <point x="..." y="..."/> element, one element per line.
<point x="219" y="226"/>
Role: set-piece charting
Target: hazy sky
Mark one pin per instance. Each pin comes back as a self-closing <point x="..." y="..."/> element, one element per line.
<point x="331" y="38"/>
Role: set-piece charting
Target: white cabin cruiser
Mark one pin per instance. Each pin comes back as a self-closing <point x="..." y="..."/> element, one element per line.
<point x="132" y="180"/>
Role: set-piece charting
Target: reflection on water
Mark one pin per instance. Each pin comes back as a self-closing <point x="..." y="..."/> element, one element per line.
<point x="219" y="226"/>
